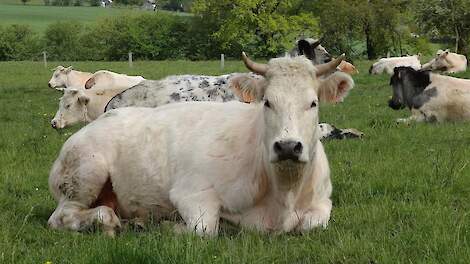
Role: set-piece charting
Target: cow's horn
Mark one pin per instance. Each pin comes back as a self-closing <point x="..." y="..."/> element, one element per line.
<point x="255" y="67"/>
<point x="325" y="68"/>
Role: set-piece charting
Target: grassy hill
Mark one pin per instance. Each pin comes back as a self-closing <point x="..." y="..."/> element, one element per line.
<point x="39" y="16"/>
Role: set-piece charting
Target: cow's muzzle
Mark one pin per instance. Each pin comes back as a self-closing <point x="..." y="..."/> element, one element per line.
<point x="394" y="105"/>
<point x="288" y="150"/>
<point x="54" y="124"/>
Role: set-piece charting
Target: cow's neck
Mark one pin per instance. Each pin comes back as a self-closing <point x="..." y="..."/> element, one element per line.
<point x="74" y="76"/>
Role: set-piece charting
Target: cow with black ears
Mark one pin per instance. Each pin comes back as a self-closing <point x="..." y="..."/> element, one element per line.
<point x="430" y="97"/>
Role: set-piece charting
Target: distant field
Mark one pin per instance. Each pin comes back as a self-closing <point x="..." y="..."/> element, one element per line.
<point x="400" y="195"/>
<point x="40" y="16"/>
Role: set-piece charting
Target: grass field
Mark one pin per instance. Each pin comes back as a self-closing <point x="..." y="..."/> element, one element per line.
<point x="400" y="195"/>
<point x="40" y="16"/>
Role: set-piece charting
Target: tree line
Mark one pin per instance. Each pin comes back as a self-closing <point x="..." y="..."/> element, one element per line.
<point x="264" y="28"/>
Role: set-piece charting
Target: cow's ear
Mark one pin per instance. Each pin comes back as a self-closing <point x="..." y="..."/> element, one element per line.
<point x="60" y="68"/>
<point x="305" y="48"/>
<point x="83" y="99"/>
<point x="248" y="87"/>
<point x="68" y="69"/>
<point x="90" y="83"/>
<point x="335" y="87"/>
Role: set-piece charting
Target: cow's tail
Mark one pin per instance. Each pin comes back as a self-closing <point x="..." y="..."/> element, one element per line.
<point x="370" y="69"/>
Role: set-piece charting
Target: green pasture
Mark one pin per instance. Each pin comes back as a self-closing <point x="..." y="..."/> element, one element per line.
<point x="39" y="16"/>
<point x="400" y="195"/>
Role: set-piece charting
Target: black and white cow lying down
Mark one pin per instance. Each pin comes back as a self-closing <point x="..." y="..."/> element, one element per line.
<point x="187" y="88"/>
<point x="430" y="97"/>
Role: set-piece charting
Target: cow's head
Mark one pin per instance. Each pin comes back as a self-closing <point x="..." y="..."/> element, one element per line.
<point x="59" y="77"/>
<point x="72" y="108"/>
<point x="406" y="83"/>
<point x="290" y="93"/>
<point x="438" y="63"/>
<point x="313" y="50"/>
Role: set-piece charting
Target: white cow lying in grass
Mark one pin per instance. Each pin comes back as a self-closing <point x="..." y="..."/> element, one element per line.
<point x="447" y="62"/>
<point x="388" y="64"/>
<point x="259" y="165"/>
<point x="85" y="105"/>
<point x="67" y="77"/>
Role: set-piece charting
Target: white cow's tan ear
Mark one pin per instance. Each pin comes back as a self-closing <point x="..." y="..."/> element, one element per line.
<point x="90" y="83"/>
<point x="83" y="99"/>
<point x="68" y="69"/>
<point x="60" y="68"/>
<point x="335" y="87"/>
<point x="248" y="87"/>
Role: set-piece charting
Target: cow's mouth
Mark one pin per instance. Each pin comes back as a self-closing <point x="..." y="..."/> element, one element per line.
<point x="395" y="106"/>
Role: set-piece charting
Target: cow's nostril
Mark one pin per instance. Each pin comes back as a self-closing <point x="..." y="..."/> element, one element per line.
<point x="277" y="147"/>
<point x="50" y="86"/>
<point x="298" y="148"/>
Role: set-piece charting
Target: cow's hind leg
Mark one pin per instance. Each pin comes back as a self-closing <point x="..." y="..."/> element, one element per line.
<point x="200" y="211"/>
<point x="74" y="216"/>
<point x="80" y="184"/>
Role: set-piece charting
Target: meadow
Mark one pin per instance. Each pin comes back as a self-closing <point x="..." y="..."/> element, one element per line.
<point x="400" y="195"/>
<point x="39" y="16"/>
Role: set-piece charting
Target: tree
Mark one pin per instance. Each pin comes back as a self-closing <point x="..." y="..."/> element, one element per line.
<point x="448" y="18"/>
<point x="24" y="1"/>
<point x="345" y="24"/>
<point x="264" y="28"/>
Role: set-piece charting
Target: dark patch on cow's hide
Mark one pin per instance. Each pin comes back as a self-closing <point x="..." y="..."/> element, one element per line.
<point x="419" y="100"/>
<point x="228" y="97"/>
<point x="204" y="84"/>
<point x="220" y="82"/>
<point x="212" y="92"/>
<point x="431" y="119"/>
<point x="175" y="97"/>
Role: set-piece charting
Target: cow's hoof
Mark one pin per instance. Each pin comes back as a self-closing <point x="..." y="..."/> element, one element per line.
<point x="314" y="219"/>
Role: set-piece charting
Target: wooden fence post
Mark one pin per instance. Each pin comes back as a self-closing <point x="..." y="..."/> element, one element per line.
<point x="44" y="57"/>
<point x="130" y="59"/>
<point x="222" y="61"/>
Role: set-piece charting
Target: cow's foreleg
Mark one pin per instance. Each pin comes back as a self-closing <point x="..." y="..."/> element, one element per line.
<point x="319" y="215"/>
<point x="200" y="211"/>
<point x="75" y="216"/>
<point x="416" y="116"/>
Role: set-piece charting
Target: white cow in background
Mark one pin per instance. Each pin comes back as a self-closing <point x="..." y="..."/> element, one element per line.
<point x="107" y="79"/>
<point x="447" y="62"/>
<point x="67" y="77"/>
<point x="85" y="105"/>
<point x="259" y="165"/>
<point x="388" y="64"/>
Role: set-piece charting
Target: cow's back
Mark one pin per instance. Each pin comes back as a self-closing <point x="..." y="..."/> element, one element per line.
<point x="146" y="150"/>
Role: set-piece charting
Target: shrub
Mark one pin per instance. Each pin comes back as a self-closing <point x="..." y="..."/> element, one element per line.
<point x="62" y="41"/>
<point x="18" y="42"/>
<point x="94" y="2"/>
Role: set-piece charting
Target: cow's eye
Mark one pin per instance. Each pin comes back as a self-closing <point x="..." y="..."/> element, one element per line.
<point x="314" y="104"/>
<point x="267" y="104"/>
<point x="67" y="106"/>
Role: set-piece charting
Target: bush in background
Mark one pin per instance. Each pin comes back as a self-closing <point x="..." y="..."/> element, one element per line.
<point x="18" y="42"/>
<point x="62" y="41"/>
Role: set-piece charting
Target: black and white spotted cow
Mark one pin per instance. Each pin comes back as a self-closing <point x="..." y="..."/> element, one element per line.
<point x="430" y="97"/>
